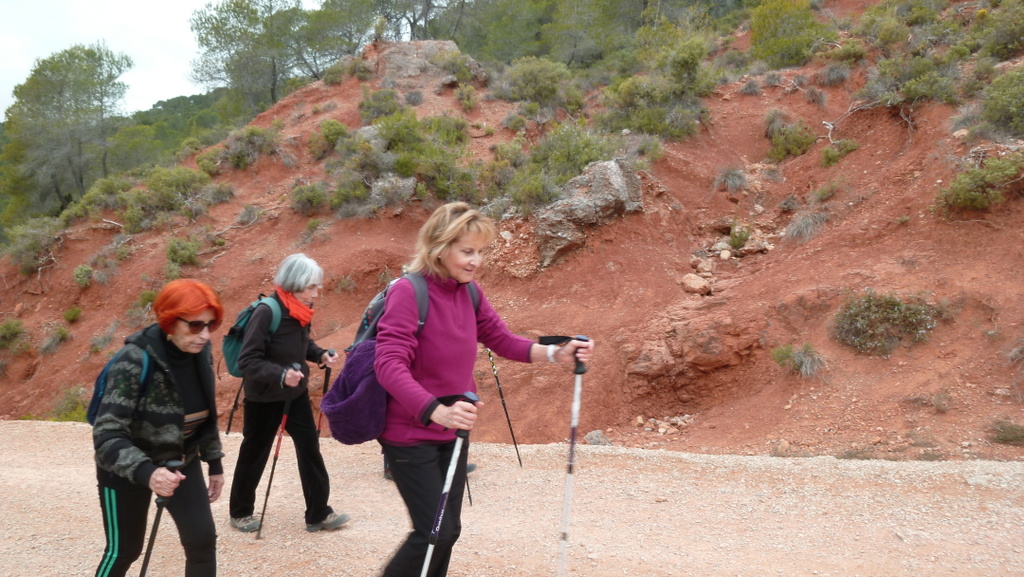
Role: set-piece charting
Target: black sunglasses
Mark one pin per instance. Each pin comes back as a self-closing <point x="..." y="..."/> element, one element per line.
<point x="196" y="327"/>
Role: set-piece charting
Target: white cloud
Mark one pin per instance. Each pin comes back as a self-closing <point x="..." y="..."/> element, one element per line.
<point x="156" y="35"/>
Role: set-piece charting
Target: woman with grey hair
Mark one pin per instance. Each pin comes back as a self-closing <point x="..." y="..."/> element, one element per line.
<point x="272" y="385"/>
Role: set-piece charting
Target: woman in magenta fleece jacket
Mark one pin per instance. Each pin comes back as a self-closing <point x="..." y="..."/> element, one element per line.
<point x="426" y="373"/>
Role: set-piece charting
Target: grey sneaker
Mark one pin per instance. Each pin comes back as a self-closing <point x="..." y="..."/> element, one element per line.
<point x="245" y="524"/>
<point x="332" y="522"/>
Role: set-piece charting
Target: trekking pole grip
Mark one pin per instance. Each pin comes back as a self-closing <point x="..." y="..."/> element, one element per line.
<point x="469" y="397"/>
<point x="173" y="466"/>
<point x="580" y="367"/>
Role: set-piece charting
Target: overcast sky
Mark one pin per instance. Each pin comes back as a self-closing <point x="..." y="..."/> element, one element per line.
<point x="155" y="34"/>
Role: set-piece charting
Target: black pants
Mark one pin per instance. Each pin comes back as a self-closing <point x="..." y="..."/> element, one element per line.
<point x="419" y="473"/>
<point x="125" y="510"/>
<point x="259" y="435"/>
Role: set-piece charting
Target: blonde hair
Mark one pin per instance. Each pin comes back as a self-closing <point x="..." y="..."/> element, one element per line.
<point x="447" y="225"/>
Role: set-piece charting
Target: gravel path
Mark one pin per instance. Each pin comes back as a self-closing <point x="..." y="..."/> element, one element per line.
<point x="634" y="512"/>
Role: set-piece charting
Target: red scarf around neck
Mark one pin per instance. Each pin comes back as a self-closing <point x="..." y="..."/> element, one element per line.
<point x="299" y="311"/>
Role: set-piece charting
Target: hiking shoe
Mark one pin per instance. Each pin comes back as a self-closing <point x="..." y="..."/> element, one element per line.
<point x="387" y="474"/>
<point x="246" y="524"/>
<point x="332" y="522"/>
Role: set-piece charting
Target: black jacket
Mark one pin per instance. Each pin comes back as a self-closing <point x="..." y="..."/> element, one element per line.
<point x="263" y="362"/>
<point x="132" y="434"/>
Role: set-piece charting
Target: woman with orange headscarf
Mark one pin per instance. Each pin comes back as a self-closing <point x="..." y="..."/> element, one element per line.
<point x="159" y="406"/>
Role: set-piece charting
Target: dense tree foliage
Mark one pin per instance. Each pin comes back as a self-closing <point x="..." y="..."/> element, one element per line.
<point x="59" y="129"/>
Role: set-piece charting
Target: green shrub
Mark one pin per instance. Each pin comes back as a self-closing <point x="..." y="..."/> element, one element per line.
<point x="805" y="225"/>
<point x="414" y="98"/>
<point x="874" y="324"/>
<point x="441" y="171"/>
<point x="455" y="63"/>
<point x="816" y="96"/>
<point x="568" y="149"/>
<point x="333" y="130"/>
<point x="751" y="87"/>
<point x="11" y="330"/>
<point x="30" y="243"/>
<point x="169" y="189"/>
<point x="71" y="406"/>
<point x="791" y="140"/>
<point x="782" y="32"/>
<point x="83" y="275"/>
<point x="104" y="194"/>
<point x="804" y="361"/>
<point x="188" y="147"/>
<point x="827" y="191"/>
<point x="146" y="298"/>
<point x="851" y="52"/>
<point x="323" y="141"/>
<point x="1007" y="433"/>
<point x="308" y="199"/>
<point x="1001" y="102"/>
<point x="56" y="337"/>
<point x="360" y="69"/>
<point x="401" y="132"/>
<point x="515" y="122"/>
<point x="350" y="191"/>
<point x="334" y="74"/>
<point x="209" y="161"/>
<point x="466" y="95"/>
<point x="312" y="227"/>
<point x="244" y="147"/>
<point x="738" y="235"/>
<point x="378" y="104"/>
<point x="983" y="186"/>
<point x="1002" y="32"/>
<point x="537" y="80"/>
<point x="832" y="154"/>
<point x="447" y="130"/>
<point x="832" y="75"/>
<point x="531" y="188"/>
<point x="72" y="314"/>
<point x="181" y="251"/>
<point x="731" y="179"/>
<point x="665" y="102"/>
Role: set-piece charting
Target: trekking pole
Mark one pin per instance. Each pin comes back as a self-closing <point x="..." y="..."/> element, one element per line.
<point x="327" y="381"/>
<point x="161" y="502"/>
<point x="234" y="407"/>
<point x="574" y="424"/>
<point x="277" y="453"/>
<point x="494" y="369"/>
<point x="460" y="435"/>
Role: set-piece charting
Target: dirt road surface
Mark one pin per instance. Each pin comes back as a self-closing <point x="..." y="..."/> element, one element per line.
<point x="634" y="512"/>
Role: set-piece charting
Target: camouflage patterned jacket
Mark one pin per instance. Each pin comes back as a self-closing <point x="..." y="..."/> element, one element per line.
<point x="131" y="434"/>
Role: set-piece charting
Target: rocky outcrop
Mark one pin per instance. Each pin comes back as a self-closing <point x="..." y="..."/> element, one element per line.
<point x="674" y="352"/>
<point x="411" y="65"/>
<point x="604" y="192"/>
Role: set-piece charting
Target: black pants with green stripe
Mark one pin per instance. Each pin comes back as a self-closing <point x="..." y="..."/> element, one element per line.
<point x="125" y="510"/>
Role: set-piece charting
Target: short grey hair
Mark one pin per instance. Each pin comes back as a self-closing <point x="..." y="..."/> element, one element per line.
<point x="297" y="273"/>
